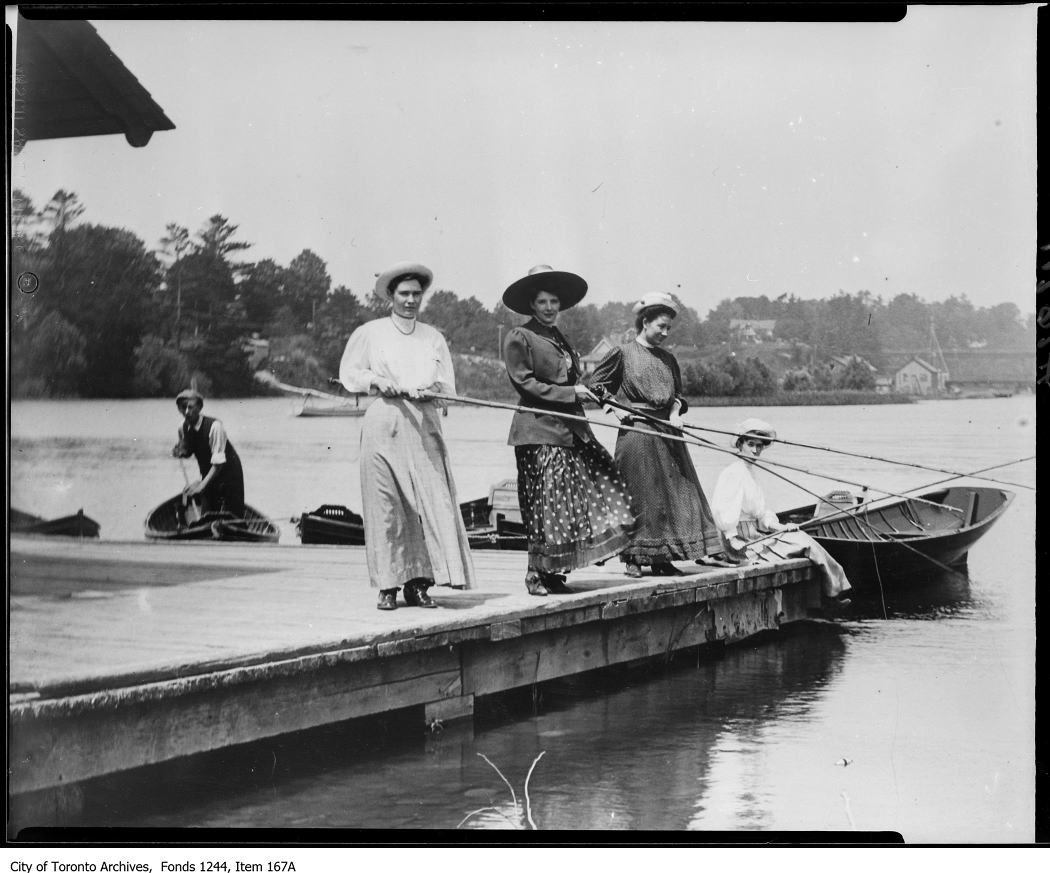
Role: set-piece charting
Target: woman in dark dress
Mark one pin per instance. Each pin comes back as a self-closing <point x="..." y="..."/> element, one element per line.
<point x="573" y="502"/>
<point x="675" y="521"/>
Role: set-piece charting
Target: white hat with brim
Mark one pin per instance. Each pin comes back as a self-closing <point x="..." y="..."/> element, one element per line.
<point x="754" y="428"/>
<point x="655" y="298"/>
<point x="384" y="279"/>
<point x="189" y="394"/>
<point x="567" y="287"/>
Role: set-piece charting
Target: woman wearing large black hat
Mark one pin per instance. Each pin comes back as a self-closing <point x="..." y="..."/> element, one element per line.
<point x="573" y="503"/>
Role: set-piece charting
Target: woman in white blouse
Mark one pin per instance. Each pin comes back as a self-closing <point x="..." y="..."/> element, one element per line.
<point x="414" y="532"/>
<point x="739" y="507"/>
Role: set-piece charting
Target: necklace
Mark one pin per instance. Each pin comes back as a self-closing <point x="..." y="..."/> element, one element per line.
<point x="408" y="332"/>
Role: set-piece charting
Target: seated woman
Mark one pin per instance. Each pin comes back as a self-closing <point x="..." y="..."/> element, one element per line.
<point x="740" y="511"/>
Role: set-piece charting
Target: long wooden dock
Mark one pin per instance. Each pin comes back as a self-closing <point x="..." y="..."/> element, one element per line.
<point x="124" y="655"/>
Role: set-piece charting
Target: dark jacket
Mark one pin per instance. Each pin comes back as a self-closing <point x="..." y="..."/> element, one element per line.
<point x="543" y="368"/>
<point x="226" y="490"/>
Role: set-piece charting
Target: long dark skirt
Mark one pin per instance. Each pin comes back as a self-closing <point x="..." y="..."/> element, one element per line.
<point x="675" y="521"/>
<point x="574" y="505"/>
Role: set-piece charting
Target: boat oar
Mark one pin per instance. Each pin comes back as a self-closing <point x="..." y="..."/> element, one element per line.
<point x="682" y="438"/>
<point x="193" y="510"/>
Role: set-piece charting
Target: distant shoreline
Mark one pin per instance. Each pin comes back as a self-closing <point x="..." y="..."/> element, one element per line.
<point x="806" y="398"/>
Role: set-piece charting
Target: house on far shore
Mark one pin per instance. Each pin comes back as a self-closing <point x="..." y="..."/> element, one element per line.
<point x="605" y="345"/>
<point x="837" y="361"/>
<point x="752" y="330"/>
<point x="984" y="372"/>
<point x="919" y="377"/>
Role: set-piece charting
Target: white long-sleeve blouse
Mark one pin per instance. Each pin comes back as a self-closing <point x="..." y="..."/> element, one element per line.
<point x="738" y="497"/>
<point x="378" y="349"/>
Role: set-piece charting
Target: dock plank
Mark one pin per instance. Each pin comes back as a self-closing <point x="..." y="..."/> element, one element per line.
<point x="306" y="598"/>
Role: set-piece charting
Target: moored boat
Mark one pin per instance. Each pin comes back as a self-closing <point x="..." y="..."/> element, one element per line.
<point x="492" y="522"/>
<point x="78" y="525"/>
<point x="313" y="403"/>
<point x="330" y="524"/>
<point x="316" y="407"/>
<point x="495" y="522"/>
<point x="176" y="519"/>
<point x="902" y="539"/>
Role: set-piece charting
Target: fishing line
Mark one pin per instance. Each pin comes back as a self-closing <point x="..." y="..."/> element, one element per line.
<point x="878" y="576"/>
<point x="688" y="440"/>
<point x="955" y="473"/>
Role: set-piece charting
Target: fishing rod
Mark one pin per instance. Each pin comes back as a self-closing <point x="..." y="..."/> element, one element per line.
<point x="955" y="473"/>
<point x="688" y="440"/>
<point x="974" y="476"/>
<point x="708" y="444"/>
<point x="661" y="424"/>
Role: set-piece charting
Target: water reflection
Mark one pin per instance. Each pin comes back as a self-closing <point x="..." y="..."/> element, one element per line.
<point x="627" y="750"/>
<point x="935" y="593"/>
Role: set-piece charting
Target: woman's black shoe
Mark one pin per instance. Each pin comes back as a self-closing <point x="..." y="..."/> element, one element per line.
<point x="535" y="585"/>
<point x="666" y="569"/>
<point x="555" y="583"/>
<point x="415" y="592"/>
<point x="387" y="599"/>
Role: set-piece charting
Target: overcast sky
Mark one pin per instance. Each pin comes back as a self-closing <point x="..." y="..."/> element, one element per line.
<point x="708" y="159"/>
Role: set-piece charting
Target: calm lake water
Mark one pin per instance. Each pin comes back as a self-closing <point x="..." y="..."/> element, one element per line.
<point x="920" y="721"/>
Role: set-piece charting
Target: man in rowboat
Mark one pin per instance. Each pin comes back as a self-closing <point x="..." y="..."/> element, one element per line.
<point x="221" y="486"/>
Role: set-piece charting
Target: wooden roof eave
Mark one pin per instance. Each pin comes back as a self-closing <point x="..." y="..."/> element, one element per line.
<point x="70" y="83"/>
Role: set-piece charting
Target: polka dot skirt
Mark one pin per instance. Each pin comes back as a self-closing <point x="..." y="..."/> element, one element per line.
<point x="574" y="505"/>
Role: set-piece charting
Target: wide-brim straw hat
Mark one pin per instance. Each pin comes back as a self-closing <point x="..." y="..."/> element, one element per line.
<point x="755" y="429"/>
<point x="189" y="394"/>
<point x="384" y="279"/>
<point x="655" y="298"/>
<point x="567" y="287"/>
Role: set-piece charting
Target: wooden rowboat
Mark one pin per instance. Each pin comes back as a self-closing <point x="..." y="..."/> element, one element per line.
<point x="176" y="520"/>
<point x="332" y="525"/>
<point x="903" y="539"/>
<point x="492" y="522"/>
<point x="78" y="525"/>
<point x="314" y="407"/>
<point x="313" y="403"/>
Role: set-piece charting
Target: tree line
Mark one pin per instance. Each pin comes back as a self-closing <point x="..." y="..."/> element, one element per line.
<point x="111" y="316"/>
